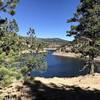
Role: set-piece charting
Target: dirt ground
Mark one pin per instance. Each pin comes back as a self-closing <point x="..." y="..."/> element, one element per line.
<point x="87" y="81"/>
<point x="75" y="88"/>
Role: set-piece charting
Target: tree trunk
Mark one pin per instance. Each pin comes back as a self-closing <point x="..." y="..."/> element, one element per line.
<point x="92" y="67"/>
<point x="91" y="57"/>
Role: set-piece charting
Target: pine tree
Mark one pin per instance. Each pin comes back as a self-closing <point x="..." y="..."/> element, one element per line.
<point x="13" y="63"/>
<point x="87" y="32"/>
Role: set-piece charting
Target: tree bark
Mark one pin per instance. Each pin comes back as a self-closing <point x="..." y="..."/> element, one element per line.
<point x="91" y="56"/>
<point x="92" y="68"/>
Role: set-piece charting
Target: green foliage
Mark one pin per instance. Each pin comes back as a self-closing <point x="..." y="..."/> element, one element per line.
<point x="87" y="32"/>
<point x="13" y="63"/>
<point x="8" y="6"/>
<point x="12" y="12"/>
<point x="33" y="62"/>
<point x="24" y="70"/>
<point x="7" y="75"/>
<point x="8" y="45"/>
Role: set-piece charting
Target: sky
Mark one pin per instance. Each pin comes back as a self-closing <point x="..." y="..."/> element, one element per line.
<point x="47" y="17"/>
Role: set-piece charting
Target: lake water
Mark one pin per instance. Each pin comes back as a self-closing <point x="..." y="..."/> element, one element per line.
<point x="61" y="67"/>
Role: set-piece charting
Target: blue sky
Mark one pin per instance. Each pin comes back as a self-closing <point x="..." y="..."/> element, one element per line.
<point x="47" y="17"/>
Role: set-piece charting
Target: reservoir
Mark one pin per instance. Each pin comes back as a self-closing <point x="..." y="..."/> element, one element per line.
<point x="61" y="67"/>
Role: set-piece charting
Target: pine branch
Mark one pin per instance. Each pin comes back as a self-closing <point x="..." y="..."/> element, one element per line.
<point x="88" y="39"/>
<point x="3" y="7"/>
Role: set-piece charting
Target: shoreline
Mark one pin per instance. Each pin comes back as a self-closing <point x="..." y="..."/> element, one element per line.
<point x="72" y="55"/>
<point x="87" y="82"/>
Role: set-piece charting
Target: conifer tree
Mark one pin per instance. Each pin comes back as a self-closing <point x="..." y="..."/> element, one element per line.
<point x="87" y="32"/>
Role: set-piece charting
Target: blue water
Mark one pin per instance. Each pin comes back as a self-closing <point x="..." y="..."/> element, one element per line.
<point x="61" y="67"/>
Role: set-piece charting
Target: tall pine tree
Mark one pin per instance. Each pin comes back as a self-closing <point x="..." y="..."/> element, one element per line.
<point x="87" y="32"/>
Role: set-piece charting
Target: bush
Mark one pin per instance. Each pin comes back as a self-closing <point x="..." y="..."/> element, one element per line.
<point x="7" y="75"/>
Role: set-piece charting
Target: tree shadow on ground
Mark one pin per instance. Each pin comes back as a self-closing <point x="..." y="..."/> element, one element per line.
<point x="40" y="91"/>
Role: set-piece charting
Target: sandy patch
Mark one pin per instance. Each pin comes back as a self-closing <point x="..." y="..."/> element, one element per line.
<point x="85" y="82"/>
